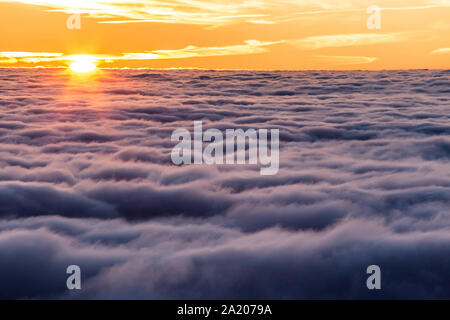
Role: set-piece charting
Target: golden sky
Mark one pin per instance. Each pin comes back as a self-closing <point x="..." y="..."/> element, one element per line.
<point x="227" y="34"/>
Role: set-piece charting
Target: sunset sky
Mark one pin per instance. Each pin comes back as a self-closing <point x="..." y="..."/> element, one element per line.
<point x="227" y="34"/>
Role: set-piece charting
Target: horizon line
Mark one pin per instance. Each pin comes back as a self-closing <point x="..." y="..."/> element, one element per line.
<point x="238" y="69"/>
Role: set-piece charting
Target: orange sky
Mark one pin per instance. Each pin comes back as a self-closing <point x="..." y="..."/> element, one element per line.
<point x="227" y="34"/>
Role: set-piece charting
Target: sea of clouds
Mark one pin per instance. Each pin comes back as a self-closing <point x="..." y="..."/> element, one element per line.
<point x="86" y="178"/>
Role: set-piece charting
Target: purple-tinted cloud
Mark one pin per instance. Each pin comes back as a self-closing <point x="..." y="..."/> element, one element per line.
<point x="86" y="178"/>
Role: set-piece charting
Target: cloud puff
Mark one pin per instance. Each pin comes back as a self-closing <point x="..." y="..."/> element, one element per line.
<point x="199" y="260"/>
<point x="86" y="178"/>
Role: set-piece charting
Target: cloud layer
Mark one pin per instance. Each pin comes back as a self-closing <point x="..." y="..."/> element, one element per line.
<point x="217" y="12"/>
<point x="86" y="178"/>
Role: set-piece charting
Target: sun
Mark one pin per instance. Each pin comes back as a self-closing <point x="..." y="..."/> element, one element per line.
<point x="82" y="64"/>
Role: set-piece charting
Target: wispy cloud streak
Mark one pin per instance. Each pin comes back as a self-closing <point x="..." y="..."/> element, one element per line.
<point x="248" y="47"/>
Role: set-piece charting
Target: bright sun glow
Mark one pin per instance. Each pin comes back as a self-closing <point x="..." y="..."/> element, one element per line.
<point x="82" y="64"/>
